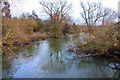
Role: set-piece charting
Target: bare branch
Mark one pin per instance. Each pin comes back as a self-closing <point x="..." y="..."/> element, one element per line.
<point x="56" y="10"/>
<point x="94" y="13"/>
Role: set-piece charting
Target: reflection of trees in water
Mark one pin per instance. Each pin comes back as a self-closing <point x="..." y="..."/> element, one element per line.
<point x="91" y="68"/>
<point x="27" y="50"/>
<point x="56" y="63"/>
<point x="107" y="70"/>
<point x="7" y="69"/>
<point x="6" y="65"/>
<point x="56" y="44"/>
<point x="116" y="67"/>
<point x="98" y="68"/>
<point x="117" y="74"/>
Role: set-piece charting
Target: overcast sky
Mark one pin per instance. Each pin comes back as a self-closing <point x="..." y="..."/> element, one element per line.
<point x="24" y="6"/>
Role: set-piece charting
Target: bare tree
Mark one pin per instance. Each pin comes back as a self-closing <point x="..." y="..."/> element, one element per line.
<point x="110" y="18"/>
<point x="56" y="10"/>
<point x="92" y="13"/>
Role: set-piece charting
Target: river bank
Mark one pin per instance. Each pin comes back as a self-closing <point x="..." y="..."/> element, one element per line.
<point x="112" y="53"/>
<point x="31" y="38"/>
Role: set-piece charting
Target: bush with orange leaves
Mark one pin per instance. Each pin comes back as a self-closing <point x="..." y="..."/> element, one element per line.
<point x="20" y="30"/>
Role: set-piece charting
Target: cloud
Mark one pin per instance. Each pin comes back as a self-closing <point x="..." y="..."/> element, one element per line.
<point x="19" y="7"/>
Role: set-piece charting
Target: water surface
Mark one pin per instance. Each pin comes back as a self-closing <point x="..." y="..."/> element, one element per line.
<point x="50" y="59"/>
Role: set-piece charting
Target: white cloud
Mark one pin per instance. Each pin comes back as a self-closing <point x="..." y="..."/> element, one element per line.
<point x="22" y="6"/>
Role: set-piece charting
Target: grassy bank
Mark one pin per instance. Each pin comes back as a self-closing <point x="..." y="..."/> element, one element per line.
<point x="25" y="30"/>
<point x="19" y="30"/>
<point x="104" y="40"/>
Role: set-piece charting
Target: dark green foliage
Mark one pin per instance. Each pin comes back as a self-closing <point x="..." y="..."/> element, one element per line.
<point x="56" y="29"/>
<point x="40" y="26"/>
<point x="66" y="29"/>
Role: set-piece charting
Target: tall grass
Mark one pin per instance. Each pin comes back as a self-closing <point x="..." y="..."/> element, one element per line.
<point x="20" y="30"/>
<point x="56" y="29"/>
<point x="102" y="39"/>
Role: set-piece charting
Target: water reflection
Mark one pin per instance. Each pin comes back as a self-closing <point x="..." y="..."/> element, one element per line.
<point x="56" y="62"/>
<point x="49" y="58"/>
<point x="56" y="44"/>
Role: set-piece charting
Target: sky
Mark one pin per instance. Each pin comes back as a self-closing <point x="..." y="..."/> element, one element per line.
<point x="26" y="6"/>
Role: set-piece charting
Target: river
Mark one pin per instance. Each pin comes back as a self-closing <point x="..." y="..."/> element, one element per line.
<point x="50" y="59"/>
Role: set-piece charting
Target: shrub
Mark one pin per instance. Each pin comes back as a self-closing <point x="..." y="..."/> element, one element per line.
<point x="40" y="26"/>
<point x="66" y="29"/>
<point x="18" y="29"/>
<point x="75" y="29"/>
<point x="55" y="29"/>
<point x="103" y="39"/>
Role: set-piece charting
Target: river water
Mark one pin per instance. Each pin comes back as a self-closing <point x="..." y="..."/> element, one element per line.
<point x="50" y="59"/>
